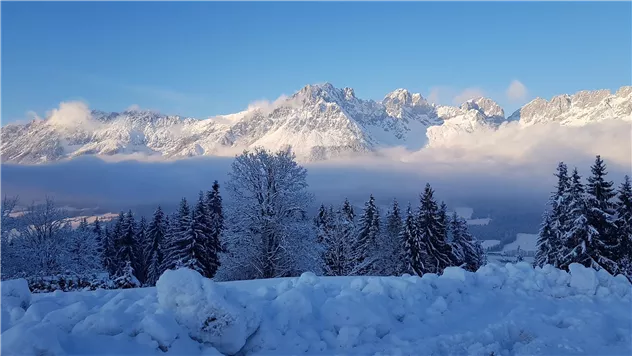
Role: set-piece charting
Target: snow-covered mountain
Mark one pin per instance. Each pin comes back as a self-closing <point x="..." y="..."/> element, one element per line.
<point x="319" y="122"/>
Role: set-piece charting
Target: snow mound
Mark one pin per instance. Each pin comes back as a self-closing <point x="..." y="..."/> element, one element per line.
<point x="16" y="298"/>
<point x="511" y="309"/>
<point x="206" y="310"/>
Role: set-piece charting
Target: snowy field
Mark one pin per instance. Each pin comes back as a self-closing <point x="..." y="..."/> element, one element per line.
<point x="499" y="310"/>
<point x="527" y="242"/>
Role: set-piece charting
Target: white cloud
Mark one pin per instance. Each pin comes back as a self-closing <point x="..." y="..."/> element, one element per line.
<point x="266" y="105"/>
<point x="133" y="107"/>
<point x="72" y="115"/>
<point x="467" y="94"/>
<point x="516" y="91"/>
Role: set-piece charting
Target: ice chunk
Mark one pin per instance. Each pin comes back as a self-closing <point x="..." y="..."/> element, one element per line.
<point x="161" y="327"/>
<point x="456" y="273"/>
<point x="583" y="279"/>
<point x="15" y="293"/>
<point x="201" y="306"/>
<point x="67" y="317"/>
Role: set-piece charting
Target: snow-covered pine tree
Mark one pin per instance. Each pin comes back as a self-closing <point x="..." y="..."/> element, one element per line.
<point x="519" y="255"/>
<point x="624" y="226"/>
<point x="348" y="229"/>
<point x="393" y="247"/>
<point x="141" y="243"/>
<point x="270" y="234"/>
<point x="550" y="242"/>
<point x="216" y="216"/>
<point x="171" y="233"/>
<point x="126" y="278"/>
<point x="414" y="263"/>
<point x="153" y="250"/>
<point x="601" y="215"/>
<point x="365" y="251"/>
<point x="205" y="247"/>
<point x="127" y="244"/>
<point x="98" y="233"/>
<point x="114" y="244"/>
<point x="81" y="249"/>
<point x="321" y="224"/>
<point x="579" y="234"/>
<point x="437" y="254"/>
<point x="466" y="249"/>
<point x="180" y="224"/>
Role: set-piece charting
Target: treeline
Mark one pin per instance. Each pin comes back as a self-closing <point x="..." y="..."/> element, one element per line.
<point x="264" y="232"/>
<point x="588" y="223"/>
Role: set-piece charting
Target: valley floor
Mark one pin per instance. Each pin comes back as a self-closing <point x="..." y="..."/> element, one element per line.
<point x="499" y="310"/>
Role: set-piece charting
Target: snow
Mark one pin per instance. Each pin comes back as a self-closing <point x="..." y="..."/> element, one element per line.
<point x="527" y="242"/>
<point x="481" y="221"/>
<point x="464" y="212"/>
<point x="508" y="309"/>
<point x="490" y="243"/>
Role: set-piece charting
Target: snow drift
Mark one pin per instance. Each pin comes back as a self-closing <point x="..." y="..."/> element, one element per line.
<point x="500" y="310"/>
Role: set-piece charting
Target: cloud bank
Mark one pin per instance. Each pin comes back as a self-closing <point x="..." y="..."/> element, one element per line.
<point x="516" y="91"/>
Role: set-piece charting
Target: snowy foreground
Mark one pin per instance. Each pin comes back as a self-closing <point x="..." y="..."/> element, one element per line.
<point x="504" y="310"/>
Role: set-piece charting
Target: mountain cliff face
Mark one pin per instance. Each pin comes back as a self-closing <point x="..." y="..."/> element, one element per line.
<point x="318" y="121"/>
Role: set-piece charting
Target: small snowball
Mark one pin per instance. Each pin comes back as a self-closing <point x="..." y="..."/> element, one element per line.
<point x="308" y="278"/>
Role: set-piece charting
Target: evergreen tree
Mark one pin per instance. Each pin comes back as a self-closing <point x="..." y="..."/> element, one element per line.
<point x="579" y="234"/>
<point x="321" y="224"/>
<point x="550" y="238"/>
<point x="437" y="254"/>
<point x="393" y="247"/>
<point x="465" y="248"/>
<point x="170" y="234"/>
<point x="126" y="278"/>
<point x="176" y="253"/>
<point x="114" y="245"/>
<point x="624" y="226"/>
<point x="338" y="242"/>
<point x="601" y="216"/>
<point x="206" y="235"/>
<point x="216" y="216"/>
<point x="127" y="244"/>
<point x="141" y="244"/>
<point x="156" y="236"/>
<point x="365" y="249"/>
<point x="412" y="245"/>
<point x="519" y="255"/>
<point x="98" y="233"/>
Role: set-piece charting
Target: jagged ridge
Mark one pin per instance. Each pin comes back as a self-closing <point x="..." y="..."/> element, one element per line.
<point x="319" y="122"/>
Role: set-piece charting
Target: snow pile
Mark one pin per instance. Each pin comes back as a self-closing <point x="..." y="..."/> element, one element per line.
<point x="501" y="310"/>
<point x="16" y="298"/>
<point x="207" y="309"/>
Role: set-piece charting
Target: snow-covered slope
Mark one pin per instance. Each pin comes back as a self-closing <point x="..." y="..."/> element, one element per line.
<point x="499" y="310"/>
<point x="318" y="121"/>
<point x="578" y="109"/>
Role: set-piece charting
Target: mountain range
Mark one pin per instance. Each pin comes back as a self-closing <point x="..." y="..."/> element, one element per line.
<point x="319" y="122"/>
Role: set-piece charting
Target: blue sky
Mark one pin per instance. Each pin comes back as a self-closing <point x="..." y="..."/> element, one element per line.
<point x="206" y="58"/>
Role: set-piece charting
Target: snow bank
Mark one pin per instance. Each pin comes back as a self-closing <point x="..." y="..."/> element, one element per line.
<point x="503" y="310"/>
